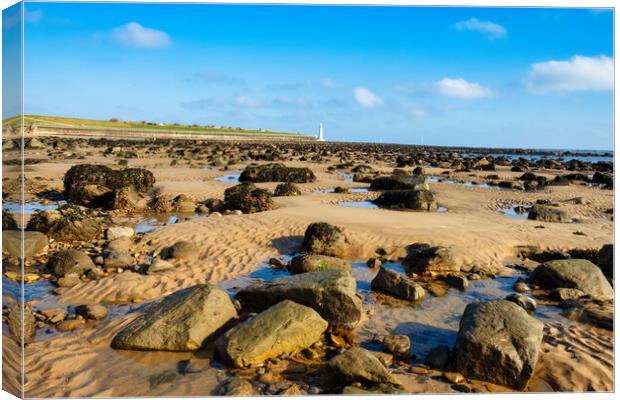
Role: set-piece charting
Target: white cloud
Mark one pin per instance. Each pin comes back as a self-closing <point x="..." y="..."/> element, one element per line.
<point x="133" y="34"/>
<point x="577" y="74"/>
<point x="366" y="98"/>
<point x="461" y="89"/>
<point x="490" y="29"/>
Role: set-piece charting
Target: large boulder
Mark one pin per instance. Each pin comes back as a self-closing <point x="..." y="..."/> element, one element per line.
<point x="69" y="223"/>
<point x="399" y="182"/>
<point x="417" y="200"/>
<point x="356" y="365"/>
<point x="284" y="328"/>
<point x="397" y="285"/>
<point x="329" y="292"/>
<point x="95" y="185"/>
<point x="606" y="260"/>
<point x="248" y="198"/>
<point x="182" y="321"/>
<point x="424" y="259"/>
<point x="276" y="172"/>
<point x="544" y="213"/>
<point x="34" y="243"/>
<point x="314" y="262"/>
<point x="69" y="261"/>
<point x="575" y="274"/>
<point x="324" y="239"/>
<point x="498" y="342"/>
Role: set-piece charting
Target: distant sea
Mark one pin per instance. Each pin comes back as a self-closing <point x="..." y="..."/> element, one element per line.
<point x="557" y="154"/>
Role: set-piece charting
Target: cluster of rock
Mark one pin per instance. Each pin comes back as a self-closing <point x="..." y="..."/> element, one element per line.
<point x="404" y="191"/>
<point x="103" y="187"/>
<point x="276" y="172"/>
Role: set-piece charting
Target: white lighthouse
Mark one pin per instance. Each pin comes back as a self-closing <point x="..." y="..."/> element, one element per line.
<point x="320" y="138"/>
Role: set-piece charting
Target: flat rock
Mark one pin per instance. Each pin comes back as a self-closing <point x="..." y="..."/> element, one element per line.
<point x="356" y="365"/>
<point x="498" y="342"/>
<point x="115" y="232"/>
<point x="574" y="274"/>
<point x="70" y="324"/>
<point x="329" y="292"/>
<point x="92" y="311"/>
<point x="182" y="321"/>
<point x="284" y="328"/>
<point x="544" y="213"/>
<point x="159" y="265"/>
<point x="397" y="285"/>
<point x="315" y="262"/>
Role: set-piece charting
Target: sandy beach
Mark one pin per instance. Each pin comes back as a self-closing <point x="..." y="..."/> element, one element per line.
<point x="233" y="251"/>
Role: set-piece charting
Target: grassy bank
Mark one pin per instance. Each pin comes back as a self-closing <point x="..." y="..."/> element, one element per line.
<point x="43" y="120"/>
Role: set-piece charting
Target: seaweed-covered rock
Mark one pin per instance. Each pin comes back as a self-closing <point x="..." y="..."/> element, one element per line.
<point x="284" y="328"/>
<point x="276" y="172"/>
<point x="399" y="182"/>
<point x="69" y="223"/>
<point x="574" y="274"/>
<point x="498" y="342"/>
<point x="286" y="189"/>
<point x="182" y="321"/>
<point x="329" y="292"/>
<point x="417" y="200"/>
<point x="248" y="198"/>
<point x="95" y="185"/>
<point x="324" y="239"/>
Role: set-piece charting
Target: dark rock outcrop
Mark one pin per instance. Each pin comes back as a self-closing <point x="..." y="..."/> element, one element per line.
<point x="95" y="185"/>
<point x="248" y="198"/>
<point x="417" y="200"/>
<point x="276" y="172"/>
<point x="324" y="239"/>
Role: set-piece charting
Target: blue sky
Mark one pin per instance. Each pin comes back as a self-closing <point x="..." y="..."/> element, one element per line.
<point x="446" y="76"/>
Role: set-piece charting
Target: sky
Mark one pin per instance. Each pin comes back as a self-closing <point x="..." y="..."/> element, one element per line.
<point x="492" y="77"/>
